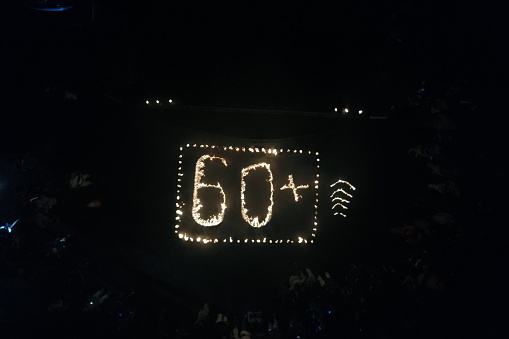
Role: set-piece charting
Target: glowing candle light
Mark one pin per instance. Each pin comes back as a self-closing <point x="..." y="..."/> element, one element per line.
<point x="340" y="190"/>
<point x="343" y="182"/>
<point x="291" y="185"/>
<point x="198" y="184"/>
<point x="340" y="199"/>
<point x="254" y="220"/>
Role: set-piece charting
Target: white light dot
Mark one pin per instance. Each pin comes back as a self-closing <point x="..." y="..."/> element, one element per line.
<point x="360" y="112"/>
<point x="346" y="110"/>
<point x="335" y="109"/>
<point x="157" y="101"/>
<point x="147" y="102"/>
<point x="170" y="101"/>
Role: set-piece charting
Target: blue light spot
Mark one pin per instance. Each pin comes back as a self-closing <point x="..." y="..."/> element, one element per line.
<point x="329" y="312"/>
<point x="120" y="314"/>
<point x="91" y="303"/>
<point x="51" y="9"/>
<point x="9" y="227"/>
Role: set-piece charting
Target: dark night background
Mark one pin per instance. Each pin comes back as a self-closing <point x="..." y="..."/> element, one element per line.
<point x="230" y="69"/>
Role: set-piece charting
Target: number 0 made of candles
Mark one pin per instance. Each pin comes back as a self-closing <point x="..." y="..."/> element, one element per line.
<point x="254" y="220"/>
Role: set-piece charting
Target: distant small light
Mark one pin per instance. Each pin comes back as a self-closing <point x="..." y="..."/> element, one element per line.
<point x="157" y="101"/>
<point x="147" y="102"/>
<point x="170" y="101"/>
<point x="360" y="112"/>
<point x="346" y="110"/>
<point x="335" y="109"/>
